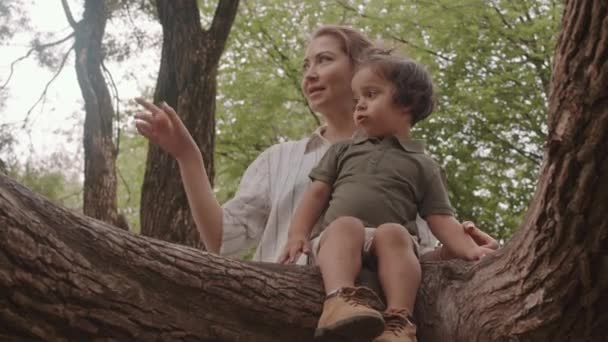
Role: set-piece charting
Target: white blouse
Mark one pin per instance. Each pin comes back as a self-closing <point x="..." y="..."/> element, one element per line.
<point x="261" y="211"/>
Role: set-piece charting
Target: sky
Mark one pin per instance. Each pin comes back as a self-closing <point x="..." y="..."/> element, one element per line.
<point x="55" y="125"/>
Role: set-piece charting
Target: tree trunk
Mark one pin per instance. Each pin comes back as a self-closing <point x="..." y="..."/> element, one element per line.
<point x="100" y="182"/>
<point x="549" y="283"/>
<point x="187" y="82"/>
<point x="65" y="276"/>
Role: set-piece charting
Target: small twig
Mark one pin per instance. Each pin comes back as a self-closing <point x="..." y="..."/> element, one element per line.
<point x="501" y="16"/>
<point x="533" y="157"/>
<point x="46" y="88"/>
<point x="35" y="48"/>
<point x="136" y="32"/>
<point x="124" y="182"/>
<point x="394" y="37"/>
<point x="356" y="11"/>
<point x="415" y="46"/>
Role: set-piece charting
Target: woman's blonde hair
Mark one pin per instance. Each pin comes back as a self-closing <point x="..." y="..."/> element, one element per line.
<point x="353" y="43"/>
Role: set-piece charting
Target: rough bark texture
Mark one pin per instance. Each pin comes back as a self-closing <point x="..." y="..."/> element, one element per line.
<point x="187" y="82"/>
<point x="63" y="275"/>
<point x="66" y="276"/>
<point x="100" y="182"/>
<point x="550" y="282"/>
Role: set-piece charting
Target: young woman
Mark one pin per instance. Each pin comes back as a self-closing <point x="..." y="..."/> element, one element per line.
<point x="260" y="213"/>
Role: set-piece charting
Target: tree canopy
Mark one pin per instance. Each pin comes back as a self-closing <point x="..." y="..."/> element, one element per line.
<point x="490" y="61"/>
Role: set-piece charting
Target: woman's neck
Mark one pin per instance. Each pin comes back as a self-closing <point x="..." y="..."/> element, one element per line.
<point x="339" y="127"/>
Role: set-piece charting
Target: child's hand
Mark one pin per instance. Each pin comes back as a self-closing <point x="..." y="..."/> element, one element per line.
<point x="294" y="248"/>
<point x="481" y="239"/>
<point x="163" y="127"/>
<point x="477" y="253"/>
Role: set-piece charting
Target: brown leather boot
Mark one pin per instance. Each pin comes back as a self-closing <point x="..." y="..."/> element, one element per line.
<point x="348" y="316"/>
<point x="398" y="328"/>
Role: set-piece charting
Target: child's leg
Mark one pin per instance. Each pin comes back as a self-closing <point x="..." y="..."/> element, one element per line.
<point x="398" y="267"/>
<point x="339" y="256"/>
<point x="346" y="314"/>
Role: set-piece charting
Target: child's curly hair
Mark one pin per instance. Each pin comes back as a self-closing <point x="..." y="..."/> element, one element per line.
<point x="412" y="82"/>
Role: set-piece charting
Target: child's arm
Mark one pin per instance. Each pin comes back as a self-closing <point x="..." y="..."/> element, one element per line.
<point x="450" y="232"/>
<point x="479" y="237"/>
<point x="307" y="213"/>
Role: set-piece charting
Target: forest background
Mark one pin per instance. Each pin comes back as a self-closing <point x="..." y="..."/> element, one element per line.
<point x="491" y="63"/>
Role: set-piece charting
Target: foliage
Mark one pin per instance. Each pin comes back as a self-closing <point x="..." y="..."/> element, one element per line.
<point x="12" y="19"/>
<point x="259" y="102"/>
<point x="490" y="61"/>
<point x="7" y="142"/>
<point x="130" y="165"/>
<point x="48" y="178"/>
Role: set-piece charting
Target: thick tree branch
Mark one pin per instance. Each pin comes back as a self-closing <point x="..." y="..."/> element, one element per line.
<point x="68" y="14"/>
<point x="221" y="25"/>
<point x="66" y="276"/>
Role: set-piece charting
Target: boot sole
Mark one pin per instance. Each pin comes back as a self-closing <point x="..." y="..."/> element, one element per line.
<point x="358" y="328"/>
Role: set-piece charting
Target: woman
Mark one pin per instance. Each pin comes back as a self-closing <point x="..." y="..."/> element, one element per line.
<point x="260" y="213"/>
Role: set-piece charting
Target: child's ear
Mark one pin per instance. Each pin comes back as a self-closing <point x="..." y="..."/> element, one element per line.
<point x="405" y="110"/>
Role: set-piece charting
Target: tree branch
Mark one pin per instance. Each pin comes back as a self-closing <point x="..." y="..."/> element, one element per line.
<point x="68" y="14"/>
<point x="225" y="12"/>
<point x="501" y="16"/>
<point x="415" y="46"/>
<point x="35" y="48"/>
<point x="46" y="88"/>
<point x="350" y="8"/>
<point x="394" y="37"/>
<point x="117" y="98"/>
<point x="125" y="183"/>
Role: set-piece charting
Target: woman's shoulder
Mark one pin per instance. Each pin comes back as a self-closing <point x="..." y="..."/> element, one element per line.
<point x="289" y="145"/>
<point x="296" y="147"/>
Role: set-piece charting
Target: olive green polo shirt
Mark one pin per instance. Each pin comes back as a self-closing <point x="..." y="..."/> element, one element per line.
<point x="382" y="180"/>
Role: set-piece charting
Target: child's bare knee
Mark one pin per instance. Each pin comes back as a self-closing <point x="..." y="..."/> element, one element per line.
<point x="345" y="224"/>
<point x="346" y="228"/>
<point x="393" y="234"/>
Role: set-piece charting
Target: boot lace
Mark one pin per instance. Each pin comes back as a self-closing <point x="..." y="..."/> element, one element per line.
<point x="358" y="296"/>
<point x="396" y="320"/>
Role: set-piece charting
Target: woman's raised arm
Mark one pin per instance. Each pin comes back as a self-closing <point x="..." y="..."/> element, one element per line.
<point x="163" y="127"/>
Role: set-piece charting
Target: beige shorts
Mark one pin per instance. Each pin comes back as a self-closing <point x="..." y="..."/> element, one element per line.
<point x="368" y="258"/>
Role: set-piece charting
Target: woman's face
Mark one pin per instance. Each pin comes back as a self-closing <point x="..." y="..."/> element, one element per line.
<point x="327" y="73"/>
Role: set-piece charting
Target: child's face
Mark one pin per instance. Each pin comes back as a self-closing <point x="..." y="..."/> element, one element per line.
<point x="375" y="110"/>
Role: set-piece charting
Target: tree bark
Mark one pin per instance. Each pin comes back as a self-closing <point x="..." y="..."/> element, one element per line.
<point x="100" y="182"/>
<point x="187" y="82"/>
<point x="549" y="283"/>
<point x="66" y="276"/>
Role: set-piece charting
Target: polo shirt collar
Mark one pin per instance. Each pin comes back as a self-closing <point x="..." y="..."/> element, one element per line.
<point x="414" y="146"/>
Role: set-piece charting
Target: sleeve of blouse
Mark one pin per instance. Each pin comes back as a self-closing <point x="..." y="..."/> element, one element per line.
<point x="245" y="215"/>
